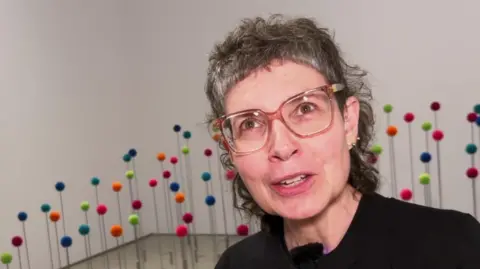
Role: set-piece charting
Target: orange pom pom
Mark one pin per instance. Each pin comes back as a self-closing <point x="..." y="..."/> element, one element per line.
<point x="216" y="137"/>
<point x="54" y="216"/>
<point x="392" y="130"/>
<point x="117" y="186"/>
<point x="116" y="230"/>
<point x="161" y="156"/>
<point x="179" y="197"/>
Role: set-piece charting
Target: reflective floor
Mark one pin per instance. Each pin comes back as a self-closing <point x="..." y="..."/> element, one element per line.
<point x="163" y="251"/>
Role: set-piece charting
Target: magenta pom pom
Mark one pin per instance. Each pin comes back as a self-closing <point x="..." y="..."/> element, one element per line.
<point x="17" y="241"/>
<point x="409" y="117"/>
<point x="472" y="172"/>
<point x="472" y="117"/>
<point x="373" y="159"/>
<point x="406" y="194"/>
<point x="153" y="182"/>
<point x="187" y="218"/>
<point x="102" y="209"/>
<point x="182" y="230"/>
<point x="242" y="230"/>
<point x="207" y="152"/>
<point x="437" y="135"/>
<point x="230" y="174"/>
<point x="173" y="160"/>
<point x="435" y="106"/>
<point x="167" y="174"/>
<point x="137" y="204"/>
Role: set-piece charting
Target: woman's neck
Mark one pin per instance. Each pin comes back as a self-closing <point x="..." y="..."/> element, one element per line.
<point x="327" y="228"/>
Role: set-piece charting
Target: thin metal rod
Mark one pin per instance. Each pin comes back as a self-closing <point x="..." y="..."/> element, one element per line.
<point x="412" y="172"/>
<point x="49" y="241"/>
<point x="63" y="214"/>
<point x="157" y="226"/>
<point x="58" y="244"/>
<point x="439" y="174"/>
<point x="26" y="244"/>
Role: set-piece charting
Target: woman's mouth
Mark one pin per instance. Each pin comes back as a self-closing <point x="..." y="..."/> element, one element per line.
<point x="294" y="186"/>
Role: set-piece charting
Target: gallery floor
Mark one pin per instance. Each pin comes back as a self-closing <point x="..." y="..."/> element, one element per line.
<point x="150" y="247"/>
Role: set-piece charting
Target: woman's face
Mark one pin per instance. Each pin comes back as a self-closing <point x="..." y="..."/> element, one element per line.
<point x="319" y="164"/>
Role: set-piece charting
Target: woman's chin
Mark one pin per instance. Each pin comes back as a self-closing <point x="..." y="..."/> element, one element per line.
<point x="300" y="212"/>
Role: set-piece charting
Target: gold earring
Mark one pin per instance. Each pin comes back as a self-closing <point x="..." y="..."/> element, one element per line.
<point x="353" y="144"/>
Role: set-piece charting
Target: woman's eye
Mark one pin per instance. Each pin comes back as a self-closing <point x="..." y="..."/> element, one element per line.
<point x="306" y="108"/>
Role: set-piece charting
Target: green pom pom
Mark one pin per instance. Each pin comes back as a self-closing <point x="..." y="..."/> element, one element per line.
<point x="471" y="149"/>
<point x="129" y="174"/>
<point x="185" y="150"/>
<point x="387" y="108"/>
<point x="427" y="126"/>
<point x="476" y="108"/>
<point x="84" y="206"/>
<point x="424" y="178"/>
<point x="133" y="219"/>
<point x="6" y="258"/>
<point x="377" y="149"/>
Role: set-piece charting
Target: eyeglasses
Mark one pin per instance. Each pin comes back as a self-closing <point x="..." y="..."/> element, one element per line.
<point x="305" y="114"/>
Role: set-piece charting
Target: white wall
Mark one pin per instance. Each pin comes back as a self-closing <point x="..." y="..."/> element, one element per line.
<point x="82" y="82"/>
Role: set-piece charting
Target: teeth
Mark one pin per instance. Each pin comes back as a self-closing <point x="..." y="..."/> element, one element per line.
<point x="294" y="181"/>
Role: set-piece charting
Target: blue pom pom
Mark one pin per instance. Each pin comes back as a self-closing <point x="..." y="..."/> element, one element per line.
<point x="187" y="134"/>
<point x="177" y="128"/>
<point x="84" y="229"/>
<point x="60" y="186"/>
<point x="22" y="216"/>
<point x="127" y="158"/>
<point x="478" y="121"/>
<point x="66" y="241"/>
<point x="476" y="109"/>
<point x="206" y="176"/>
<point x="174" y="186"/>
<point x="471" y="149"/>
<point x="45" y="208"/>
<point x="425" y="157"/>
<point x="95" y="181"/>
<point x="210" y="200"/>
<point x="132" y="153"/>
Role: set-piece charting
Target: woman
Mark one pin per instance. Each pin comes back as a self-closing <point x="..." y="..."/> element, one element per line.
<point x="296" y="124"/>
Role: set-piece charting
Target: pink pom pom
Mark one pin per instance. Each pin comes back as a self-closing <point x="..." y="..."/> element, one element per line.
<point x="153" y="182"/>
<point x="187" y="218"/>
<point x="174" y="160"/>
<point x="409" y="117"/>
<point x="373" y="159"/>
<point x="207" y="152"/>
<point x="166" y="174"/>
<point x="102" y="209"/>
<point x="17" y="241"/>
<point x="137" y="204"/>
<point x="182" y="230"/>
<point x="472" y="117"/>
<point x="472" y="172"/>
<point x="435" y="106"/>
<point x="230" y="174"/>
<point x="406" y="194"/>
<point x="242" y="230"/>
<point x="437" y="135"/>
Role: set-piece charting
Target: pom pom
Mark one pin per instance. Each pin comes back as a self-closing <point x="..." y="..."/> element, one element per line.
<point x="60" y="186"/>
<point x="408" y="117"/>
<point x="185" y="150"/>
<point x="84" y="206"/>
<point x="137" y="204"/>
<point x="182" y="230"/>
<point x="153" y="182"/>
<point x="132" y="153"/>
<point x="133" y="219"/>
<point x="425" y="157"/>
<point x="230" y="174"/>
<point x="206" y="176"/>
<point x="66" y="241"/>
<point x="129" y="174"/>
<point x="216" y="137"/>
<point x="427" y="126"/>
<point x="17" y="241"/>
<point x="54" y="216"/>
<point x="84" y="229"/>
<point x="45" y="208"/>
<point x="207" y="152"/>
<point x="187" y="135"/>
<point x="472" y="172"/>
<point x="179" y="197"/>
<point x="116" y="230"/>
<point x="372" y="159"/>
<point x="173" y="160"/>
<point x="377" y="149"/>
<point x="471" y="149"/>
<point x="6" y="258"/>
<point x="22" y="216"/>
<point x="166" y="174"/>
<point x="435" y="106"/>
<point x="392" y="130"/>
<point x="102" y="209"/>
<point x="95" y="181"/>
<point x="424" y="178"/>
<point x="126" y="158"/>
<point x="437" y="135"/>
<point x="210" y="200"/>
<point x="406" y="194"/>
<point x="187" y="217"/>
<point x="242" y="230"/>
<point x="177" y="128"/>
<point x="174" y="186"/>
<point x="117" y="186"/>
<point x="161" y="156"/>
<point x="478" y="121"/>
<point x="387" y="108"/>
<point x="471" y="117"/>
<point x="476" y="108"/>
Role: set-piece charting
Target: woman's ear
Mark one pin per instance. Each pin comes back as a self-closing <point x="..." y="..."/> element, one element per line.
<point x="351" y="113"/>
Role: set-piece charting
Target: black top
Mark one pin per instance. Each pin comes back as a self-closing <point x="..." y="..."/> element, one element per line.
<point x="385" y="233"/>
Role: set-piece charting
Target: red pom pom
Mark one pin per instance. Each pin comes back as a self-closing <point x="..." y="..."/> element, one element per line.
<point x="153" y="182"/>
<point x="182" y="230"/>
<point x="187" y="218"/>
<point x="230" y="174"/>
<point x="242" y="230"/>
<point x="17" y="241"/>
<point x="437" y="135"/>
<point x="373" y="159"/>
<point x="409" y="117"/>
<point x="207" y="152"/>
<point x="435" y="106"/>
<point x="137" y="204"/>
<point x="102" y="209"/>
<point x="472" y="117"/>
<point x="406" y="194"/>
<point x="472" y="172"/>
<point x="166" y="174"/>
<point x="174" y="160"/>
